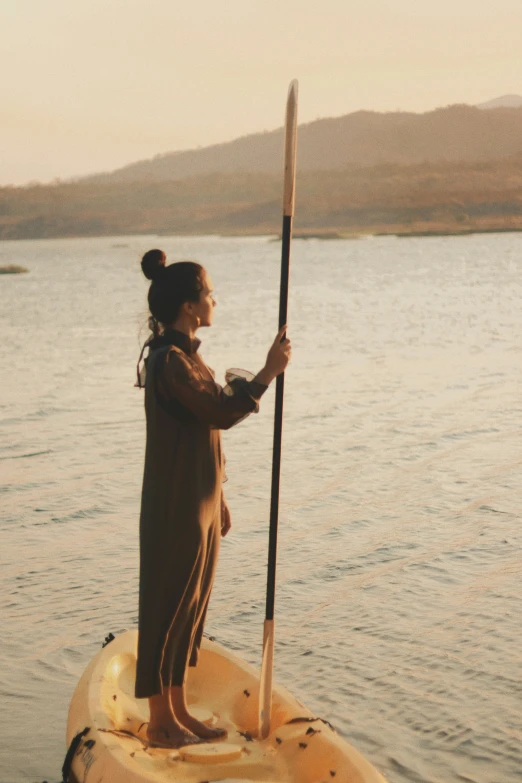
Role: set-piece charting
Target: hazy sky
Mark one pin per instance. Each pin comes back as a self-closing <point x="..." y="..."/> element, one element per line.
<point x="89" y="85"/>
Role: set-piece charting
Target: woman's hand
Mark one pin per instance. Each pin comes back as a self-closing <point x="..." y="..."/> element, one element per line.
<point x="226" y="522"/>
<point x="277" y="358"/>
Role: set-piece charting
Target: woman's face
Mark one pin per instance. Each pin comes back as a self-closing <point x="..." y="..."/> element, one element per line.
<point x="204" y="309"/>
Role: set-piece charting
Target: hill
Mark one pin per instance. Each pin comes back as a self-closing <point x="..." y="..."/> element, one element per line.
<point x="457" y="169"/>
<point x="387" y="198"/>
<point x="456" y="133"/>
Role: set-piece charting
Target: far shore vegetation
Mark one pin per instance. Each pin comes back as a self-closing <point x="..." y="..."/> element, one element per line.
<point x="12" y="269"/>
<point x="407" y="200"/>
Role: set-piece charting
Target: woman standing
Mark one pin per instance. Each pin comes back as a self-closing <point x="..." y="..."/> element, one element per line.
<point x="183" y="510"/>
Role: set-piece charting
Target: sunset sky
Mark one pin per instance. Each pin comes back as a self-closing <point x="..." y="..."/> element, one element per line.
<point x="90" y="85"/>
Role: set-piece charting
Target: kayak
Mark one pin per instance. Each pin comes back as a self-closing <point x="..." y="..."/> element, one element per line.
<point x="106" y="728"/>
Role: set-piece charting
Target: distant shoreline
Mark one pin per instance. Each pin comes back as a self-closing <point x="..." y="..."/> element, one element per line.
<point x="442" y="199"/>
<point x="400" y="232"/>
<point x="405" y="234"/>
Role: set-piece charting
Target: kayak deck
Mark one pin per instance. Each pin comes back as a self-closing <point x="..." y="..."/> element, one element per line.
<point x="222" y="690"/>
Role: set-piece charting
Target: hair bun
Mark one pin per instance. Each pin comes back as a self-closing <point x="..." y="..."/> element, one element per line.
<point x="153" y="264"/>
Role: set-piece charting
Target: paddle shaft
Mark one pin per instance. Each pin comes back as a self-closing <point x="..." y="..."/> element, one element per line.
<point x="278" y="426"/>
<point x="265" y="689"/>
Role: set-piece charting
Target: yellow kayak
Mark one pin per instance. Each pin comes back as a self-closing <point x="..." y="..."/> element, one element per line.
<point x="109" y="725"/>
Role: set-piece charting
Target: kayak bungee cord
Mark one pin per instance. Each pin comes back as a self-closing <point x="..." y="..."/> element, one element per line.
<point x="265" y="688"/>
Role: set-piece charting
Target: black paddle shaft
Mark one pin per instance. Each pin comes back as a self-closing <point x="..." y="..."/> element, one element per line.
<point x="278" y="425"/>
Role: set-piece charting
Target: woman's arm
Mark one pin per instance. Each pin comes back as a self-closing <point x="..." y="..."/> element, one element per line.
<point x="180" y="380"/>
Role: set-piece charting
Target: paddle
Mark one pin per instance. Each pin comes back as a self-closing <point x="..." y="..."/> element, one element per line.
<point x="265" y="689"/>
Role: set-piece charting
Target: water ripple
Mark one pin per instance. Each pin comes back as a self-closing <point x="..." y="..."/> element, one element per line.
<point x="399" y="582"/>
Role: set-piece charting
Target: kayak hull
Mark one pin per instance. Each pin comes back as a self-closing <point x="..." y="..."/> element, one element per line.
<point x="300" y="748"/>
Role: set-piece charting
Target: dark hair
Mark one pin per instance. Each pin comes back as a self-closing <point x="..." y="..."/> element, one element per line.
<point x="170" y="288"/>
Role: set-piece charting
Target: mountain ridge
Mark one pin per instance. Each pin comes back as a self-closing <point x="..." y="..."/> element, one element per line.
<point x="509" y="101"/>
<point x="455" y="133"/>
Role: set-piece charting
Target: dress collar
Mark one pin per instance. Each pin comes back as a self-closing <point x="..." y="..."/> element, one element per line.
<point x="188" y="345"/>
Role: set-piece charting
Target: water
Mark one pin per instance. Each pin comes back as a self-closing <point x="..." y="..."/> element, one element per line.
<point x="399" y="579"/>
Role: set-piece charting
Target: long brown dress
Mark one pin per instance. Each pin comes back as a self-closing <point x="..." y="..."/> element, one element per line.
<point x="180" y="521"/>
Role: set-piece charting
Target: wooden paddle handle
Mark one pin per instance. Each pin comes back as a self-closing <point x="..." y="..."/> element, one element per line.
<point x="265" y="683"/>
<point x="290" y="150"/>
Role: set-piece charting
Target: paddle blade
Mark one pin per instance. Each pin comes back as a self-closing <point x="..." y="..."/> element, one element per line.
<point x="290" y="149"/>
<point x="265" y="686"/>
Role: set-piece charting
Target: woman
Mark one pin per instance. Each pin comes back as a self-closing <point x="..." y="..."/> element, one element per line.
<point x="183" y="510"/>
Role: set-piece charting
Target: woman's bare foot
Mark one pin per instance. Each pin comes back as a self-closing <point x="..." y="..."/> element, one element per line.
<point x="172" y="736"/>
<point x="200" y="729"/>
<point x="181" y="714"/>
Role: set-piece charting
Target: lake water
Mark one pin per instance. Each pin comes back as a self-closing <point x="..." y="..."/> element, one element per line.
<point x="399" y="577"/>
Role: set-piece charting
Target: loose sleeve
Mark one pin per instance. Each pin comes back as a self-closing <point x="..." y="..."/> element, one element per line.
<point x="180" y="380"/>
